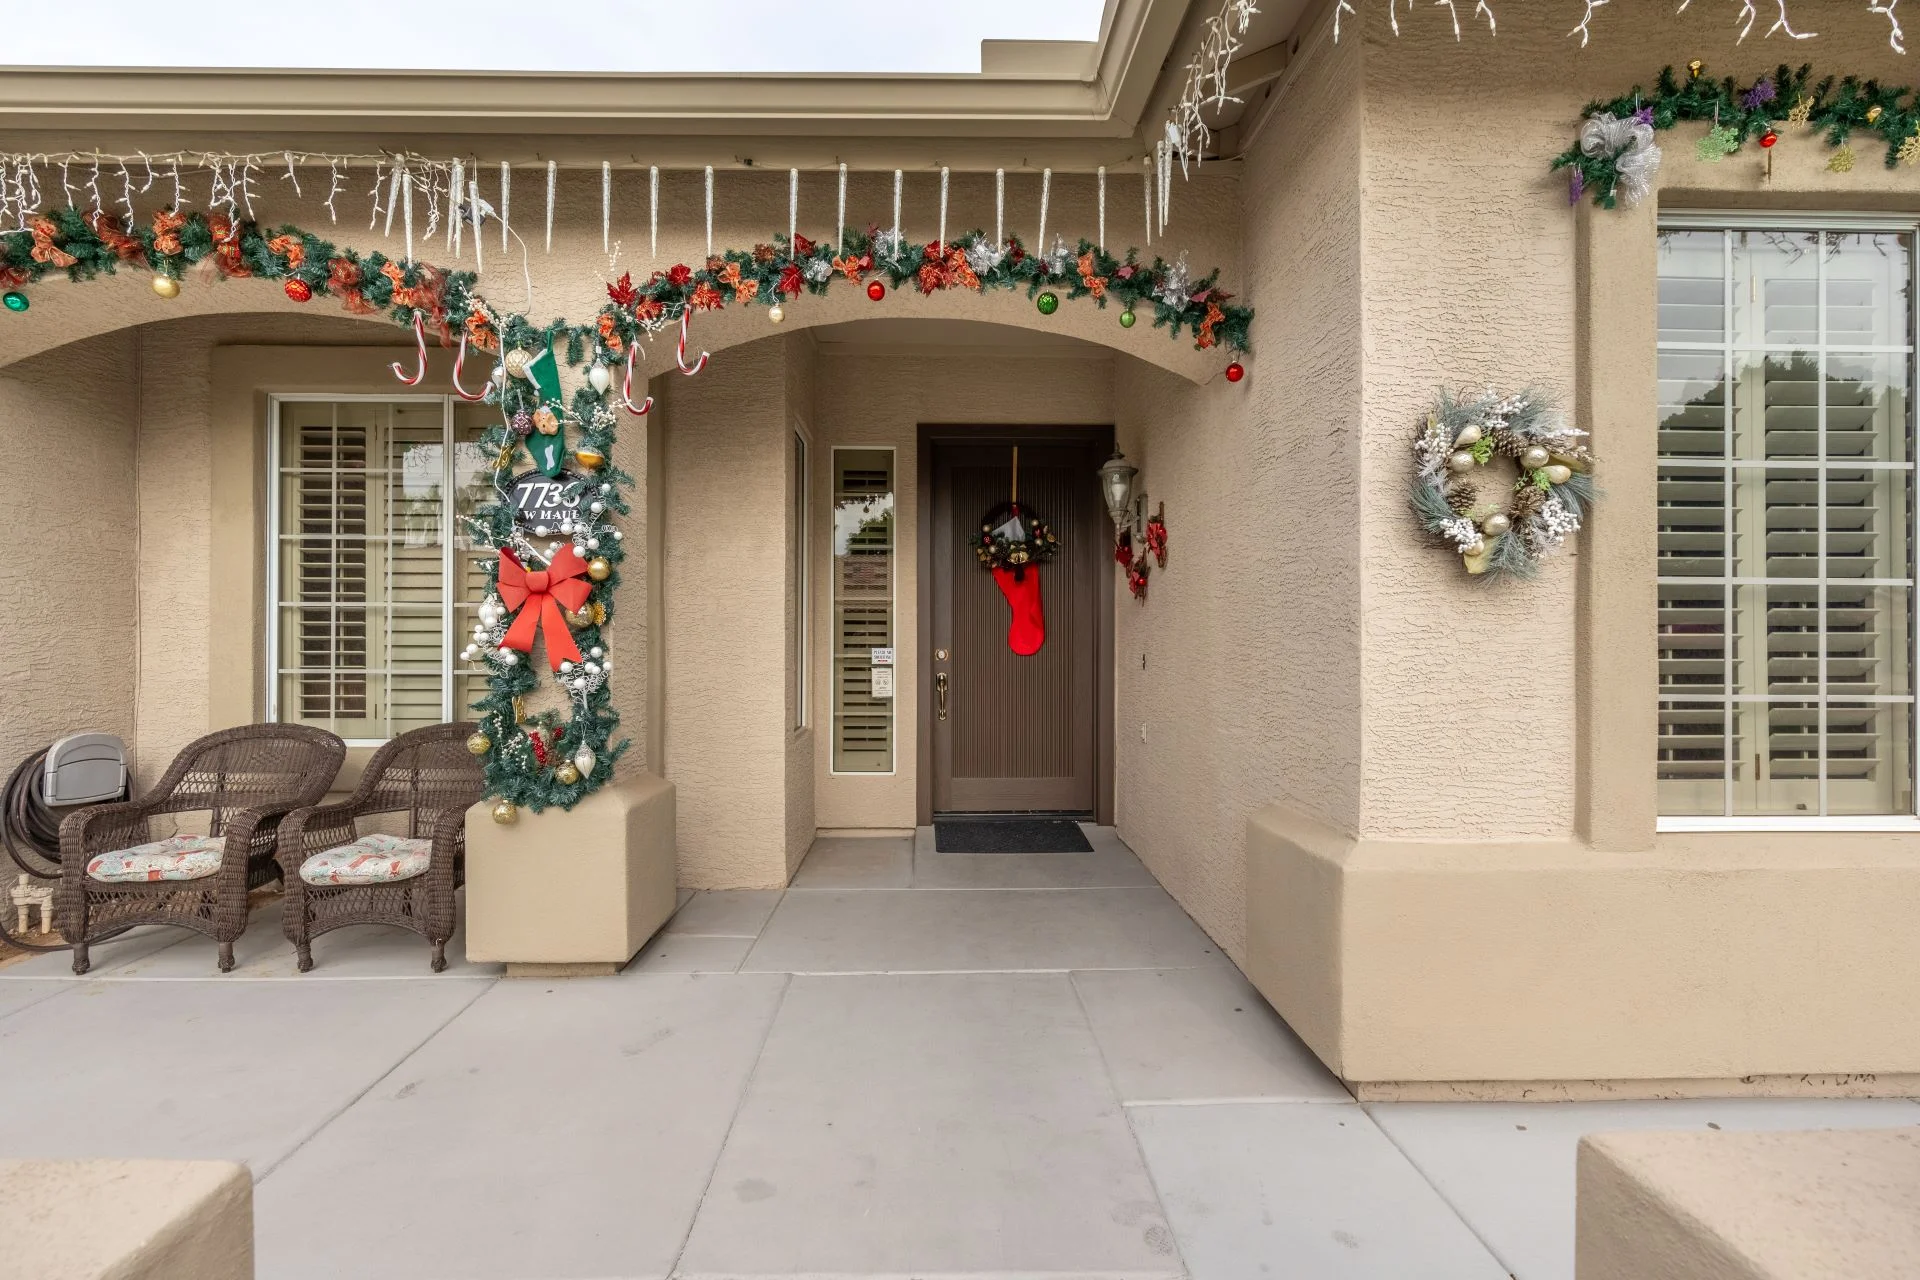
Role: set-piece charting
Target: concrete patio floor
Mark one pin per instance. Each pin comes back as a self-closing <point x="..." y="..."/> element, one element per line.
<point x="907" y="1065"/>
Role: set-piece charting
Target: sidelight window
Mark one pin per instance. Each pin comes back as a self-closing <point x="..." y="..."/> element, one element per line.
<point x="372" y="583"/>
<point x="863" y="575"/>
<point x="1786" y="524"/>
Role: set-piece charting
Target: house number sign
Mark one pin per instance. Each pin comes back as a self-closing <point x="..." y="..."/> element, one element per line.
<point x="541" y="502"/>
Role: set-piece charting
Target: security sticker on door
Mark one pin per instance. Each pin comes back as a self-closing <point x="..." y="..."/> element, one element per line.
<point x="882" y="682"/>
<point x="882" y="657"/>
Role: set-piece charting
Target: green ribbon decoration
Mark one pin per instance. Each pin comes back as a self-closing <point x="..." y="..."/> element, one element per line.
<point x="549" y="452"/>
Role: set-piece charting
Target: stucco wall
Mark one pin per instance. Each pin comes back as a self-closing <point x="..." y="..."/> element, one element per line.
<point x="1470" y="281"/>
<point x="68" y="424"/>
<point x="798" y="362"/>
<point x="1250" y="637"/>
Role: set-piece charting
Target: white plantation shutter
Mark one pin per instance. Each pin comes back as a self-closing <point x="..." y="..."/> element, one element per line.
<point x="1785" y="523"/>
<point x="361" y="578"/>
<point x="863" y="563"/>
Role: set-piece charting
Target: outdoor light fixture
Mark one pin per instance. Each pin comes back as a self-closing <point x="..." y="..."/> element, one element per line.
<point x="1116" y="483"/>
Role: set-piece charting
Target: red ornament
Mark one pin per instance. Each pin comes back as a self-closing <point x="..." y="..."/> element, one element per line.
<point x="1768" y="138"/>
<point x="1236" y="371"/>
<point x="297" y="289"/>
<point x="876" y="290"/>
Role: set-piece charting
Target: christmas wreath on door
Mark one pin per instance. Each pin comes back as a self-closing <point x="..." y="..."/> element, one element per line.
<point x="1013" y="543"/>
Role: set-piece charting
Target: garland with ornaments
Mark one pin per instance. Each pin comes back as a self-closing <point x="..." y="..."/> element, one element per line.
<point x="555" y="570"/>
<point x="1616" y="159"/>
<point x="1547" y="500"/>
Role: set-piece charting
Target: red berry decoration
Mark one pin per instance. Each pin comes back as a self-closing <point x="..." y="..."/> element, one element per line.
<point x="299" y="290"/>
<point x="876" y="291"/>
<point x="1768" y="138"/>
<point x="1236" y="371"/>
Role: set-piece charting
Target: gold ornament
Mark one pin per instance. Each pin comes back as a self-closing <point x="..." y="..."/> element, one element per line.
<point x="479" y="744"/>
<point x="1475" y="560"/>
<point x="545" y="421"/>
<point x="598" y="569"/>
<point x="1535" y="458"/>
<point x="1468" y="437"/>
<point x="1461" y="461"/>
<point x="516" y="362"/>
<point x="1909" y="152"/>
<point x="776" y="313"/>
<point x="1841" y="161"/>
<point x="566" y="775"/>
<point x="591" y="459"/>
<point x="505" y="460"/>
<point x="166" y="286"/>
<point x="1873" y="114"/>
<point x="1495" y="524"/>
<point x="1694" y="69"/>
<point x="599" y="612"/>
<point x="578" y="620"/>
<point x="1559" y="473"/>
<point x="519" y="710"/>
<point x="1802" y="113"/>
<point x="506" y="813"/>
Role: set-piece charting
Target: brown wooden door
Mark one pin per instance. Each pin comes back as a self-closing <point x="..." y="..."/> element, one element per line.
<point x="1019" y="733"/>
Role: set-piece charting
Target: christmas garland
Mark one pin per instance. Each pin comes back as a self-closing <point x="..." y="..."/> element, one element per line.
<point x="565" y="589"/>
<point x="85" y="244"/>
<point x="997" y="549"/>
<point x="1546" y="503"/>
<point x="1615" y="157"/>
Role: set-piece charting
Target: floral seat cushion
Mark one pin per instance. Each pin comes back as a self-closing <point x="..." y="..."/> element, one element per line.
<point x="375" y="859"/>
<point x="175" y="858"/>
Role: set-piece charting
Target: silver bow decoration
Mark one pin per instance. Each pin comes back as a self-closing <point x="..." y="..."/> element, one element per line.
<point x="1629" y="142"/>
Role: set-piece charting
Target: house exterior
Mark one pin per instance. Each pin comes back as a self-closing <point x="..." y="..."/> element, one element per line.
<point x="1529" y="838"/>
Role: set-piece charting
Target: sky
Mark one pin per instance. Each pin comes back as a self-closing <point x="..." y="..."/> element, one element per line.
<point x="613" y="35"/>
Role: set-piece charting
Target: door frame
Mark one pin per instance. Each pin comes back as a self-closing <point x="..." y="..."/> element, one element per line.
<point x="1098" y="437"/>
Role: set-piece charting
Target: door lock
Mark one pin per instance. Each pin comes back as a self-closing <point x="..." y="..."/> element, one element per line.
<point x="940" y="695"/>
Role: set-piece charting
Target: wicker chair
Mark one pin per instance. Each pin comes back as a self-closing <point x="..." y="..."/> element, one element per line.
<point x="430" y="776"/>
<point x="247" y="780"/>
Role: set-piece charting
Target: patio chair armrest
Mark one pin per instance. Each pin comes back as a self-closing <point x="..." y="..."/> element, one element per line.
<point x="449" y="842"/>
<point x="100" y="828"/>
<point x="312" y="829"/>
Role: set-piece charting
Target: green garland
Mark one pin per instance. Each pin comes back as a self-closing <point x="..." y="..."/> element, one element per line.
<point x="85" y="245"/>
<point x="1837" y="109"/>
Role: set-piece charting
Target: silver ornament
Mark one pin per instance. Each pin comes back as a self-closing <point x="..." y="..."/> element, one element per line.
<point x="1468" y="437"/>
<point x="1559" y="473"/>
<point x="584" y="760"/>
<point x="1535" y="458"/>
<point x="598" y="377"/>
<point x="1461" y="461"/>
<point x="1496" y="524"/>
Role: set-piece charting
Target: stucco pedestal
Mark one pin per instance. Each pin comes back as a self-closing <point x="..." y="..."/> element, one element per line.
<point x="1749" y="1206"/>
<point x="119" y="1219"/>
<point x="572" y="893"/>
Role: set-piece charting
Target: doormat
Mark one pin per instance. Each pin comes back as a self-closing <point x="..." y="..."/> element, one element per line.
<point x="1022" y="835"/>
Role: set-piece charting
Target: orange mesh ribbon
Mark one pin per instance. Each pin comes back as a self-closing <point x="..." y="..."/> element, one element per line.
<point x="539" y="595"/>
<point x="44" y="249"/>
<point x="125" y="247"/>
<point x="226" y="246"/>
<point x="610" y="335"/>
<point x="1095" y="283"/>
<point x="480" y="332"/>
<point x="1203" y="338"/>
<point x="850" y="267"/>
<point x="292" y="248"/>
<point x="166" y="232"/>
<point x="343" y="280"/>
<point x="424" y="297"/>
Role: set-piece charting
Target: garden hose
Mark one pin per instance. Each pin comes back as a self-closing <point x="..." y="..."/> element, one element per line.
<point x="30" y="830"/>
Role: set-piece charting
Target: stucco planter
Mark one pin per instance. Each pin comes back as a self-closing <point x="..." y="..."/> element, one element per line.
<point x="572" y="892"/>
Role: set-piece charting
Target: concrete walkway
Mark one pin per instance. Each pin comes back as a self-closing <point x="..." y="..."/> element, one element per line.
<point x="942" y="1065"/>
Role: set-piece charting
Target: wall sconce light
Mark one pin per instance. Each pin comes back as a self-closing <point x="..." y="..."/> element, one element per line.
<point x="1116" y="485"/>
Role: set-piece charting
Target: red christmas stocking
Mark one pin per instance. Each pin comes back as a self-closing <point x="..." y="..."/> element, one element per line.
<point x="1028" y="630"/>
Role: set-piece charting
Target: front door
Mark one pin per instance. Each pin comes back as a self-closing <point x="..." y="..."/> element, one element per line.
<point x="1013" y="733"/>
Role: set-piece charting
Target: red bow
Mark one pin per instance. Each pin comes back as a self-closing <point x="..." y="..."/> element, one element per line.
<point x="542" y="592"/>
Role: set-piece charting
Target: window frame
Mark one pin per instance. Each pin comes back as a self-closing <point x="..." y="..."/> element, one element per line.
<point x="833" y="603"/>
<point x="1892" y="223"/>
<point x="448" y="549"/>
<point x="802" y="526"/>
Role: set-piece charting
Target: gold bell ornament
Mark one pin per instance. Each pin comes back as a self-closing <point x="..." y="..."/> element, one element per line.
<point x="506" y="813"/>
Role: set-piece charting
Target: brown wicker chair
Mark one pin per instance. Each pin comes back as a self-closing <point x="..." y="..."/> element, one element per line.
<point x="247" y="780"/>
<point x="429" y="775"/>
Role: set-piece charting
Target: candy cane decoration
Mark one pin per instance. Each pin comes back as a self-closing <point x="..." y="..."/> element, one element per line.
<point x="459" y="361"/>
<point x="680" y="354"/>
<point x="626" y="386"/>
<point x="420" y="341"/>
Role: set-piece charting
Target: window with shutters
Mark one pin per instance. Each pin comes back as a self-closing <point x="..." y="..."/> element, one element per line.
<point x="863" y="563"/>
<point x="371" y="578"/>
<point x="1786" y="523"/>
<point x="802" y="540"/>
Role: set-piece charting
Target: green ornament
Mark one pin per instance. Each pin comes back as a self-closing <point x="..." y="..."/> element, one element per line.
<point x="16" y="301"/>
<point x="1721" y="140"/>
<point x="1048" y="302"/>
<point x="1126" y="318"/>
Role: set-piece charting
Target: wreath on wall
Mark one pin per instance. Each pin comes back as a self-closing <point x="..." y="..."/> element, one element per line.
<point x="1546" y="503"/>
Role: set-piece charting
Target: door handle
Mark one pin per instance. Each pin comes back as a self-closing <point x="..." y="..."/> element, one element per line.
<point x="940" y="695"/>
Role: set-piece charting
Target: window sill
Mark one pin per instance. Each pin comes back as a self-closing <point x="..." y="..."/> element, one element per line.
<point x="1864" y="822"/>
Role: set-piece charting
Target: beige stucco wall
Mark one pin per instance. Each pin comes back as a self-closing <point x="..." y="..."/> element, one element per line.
<point x="1238" y="679"/>
<point x="68" y="423"/>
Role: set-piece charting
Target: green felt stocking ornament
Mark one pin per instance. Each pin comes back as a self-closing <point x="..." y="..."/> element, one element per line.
<point x="548" y="441"/>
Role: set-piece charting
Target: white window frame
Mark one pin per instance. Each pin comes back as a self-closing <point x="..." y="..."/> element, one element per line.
<point x="893" y="606"/>
<point x="802" y="526"/>
<point x="448" y="551"/>
<point x="1788" y="220"/>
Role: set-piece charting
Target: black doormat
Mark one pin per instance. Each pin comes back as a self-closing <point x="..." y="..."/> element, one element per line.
<point x="1018" y="835"/>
